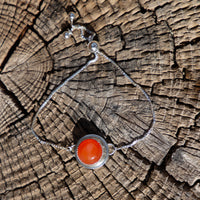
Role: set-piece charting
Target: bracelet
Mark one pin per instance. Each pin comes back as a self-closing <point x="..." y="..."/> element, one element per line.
<point x="92" y="151"/>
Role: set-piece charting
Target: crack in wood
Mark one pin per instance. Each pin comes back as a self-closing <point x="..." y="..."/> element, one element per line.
<point x="175" y="65"/>
<point x="14" y="98"/>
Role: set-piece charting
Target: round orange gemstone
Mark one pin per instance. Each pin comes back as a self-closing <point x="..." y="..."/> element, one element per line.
<point x="89" y="151"/>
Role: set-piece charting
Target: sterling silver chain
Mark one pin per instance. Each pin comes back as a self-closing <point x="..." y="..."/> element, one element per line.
<point x="94" y="48"/>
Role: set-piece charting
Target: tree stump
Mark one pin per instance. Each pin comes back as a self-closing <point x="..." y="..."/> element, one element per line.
<point x="156" y="42"/>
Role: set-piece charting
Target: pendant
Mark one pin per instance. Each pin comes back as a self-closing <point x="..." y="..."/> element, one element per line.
<point x="91" y="151"/>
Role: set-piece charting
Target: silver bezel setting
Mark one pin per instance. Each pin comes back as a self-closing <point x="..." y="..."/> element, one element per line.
<point x="104" y="156"/>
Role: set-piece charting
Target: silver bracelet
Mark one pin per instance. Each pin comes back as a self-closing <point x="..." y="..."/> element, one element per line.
<point x="92" y="151"/>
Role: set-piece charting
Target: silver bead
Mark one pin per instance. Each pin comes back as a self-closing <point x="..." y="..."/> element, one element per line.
<point x="72" y="15"/>
<point x="94" y="46"/>
<point x="67" y="35"/>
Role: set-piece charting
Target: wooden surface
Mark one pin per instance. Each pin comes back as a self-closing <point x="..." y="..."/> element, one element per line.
<point x="157" y="42"/>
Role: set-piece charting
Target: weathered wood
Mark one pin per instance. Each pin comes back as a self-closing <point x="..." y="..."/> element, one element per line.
<point x="156" y="43"/>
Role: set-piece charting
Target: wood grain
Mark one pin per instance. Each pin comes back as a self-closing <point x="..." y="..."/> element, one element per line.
<point x="156" y="42"/>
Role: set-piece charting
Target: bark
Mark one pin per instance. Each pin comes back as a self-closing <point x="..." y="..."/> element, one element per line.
<point x="156" y="42"/>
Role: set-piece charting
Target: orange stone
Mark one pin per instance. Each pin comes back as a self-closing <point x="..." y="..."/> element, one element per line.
<point x="89" y="151"/>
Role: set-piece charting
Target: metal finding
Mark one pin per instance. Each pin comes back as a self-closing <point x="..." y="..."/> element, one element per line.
<point x="94" y="48"/>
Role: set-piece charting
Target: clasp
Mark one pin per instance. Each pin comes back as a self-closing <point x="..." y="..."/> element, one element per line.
<point x="86" y="34"/>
